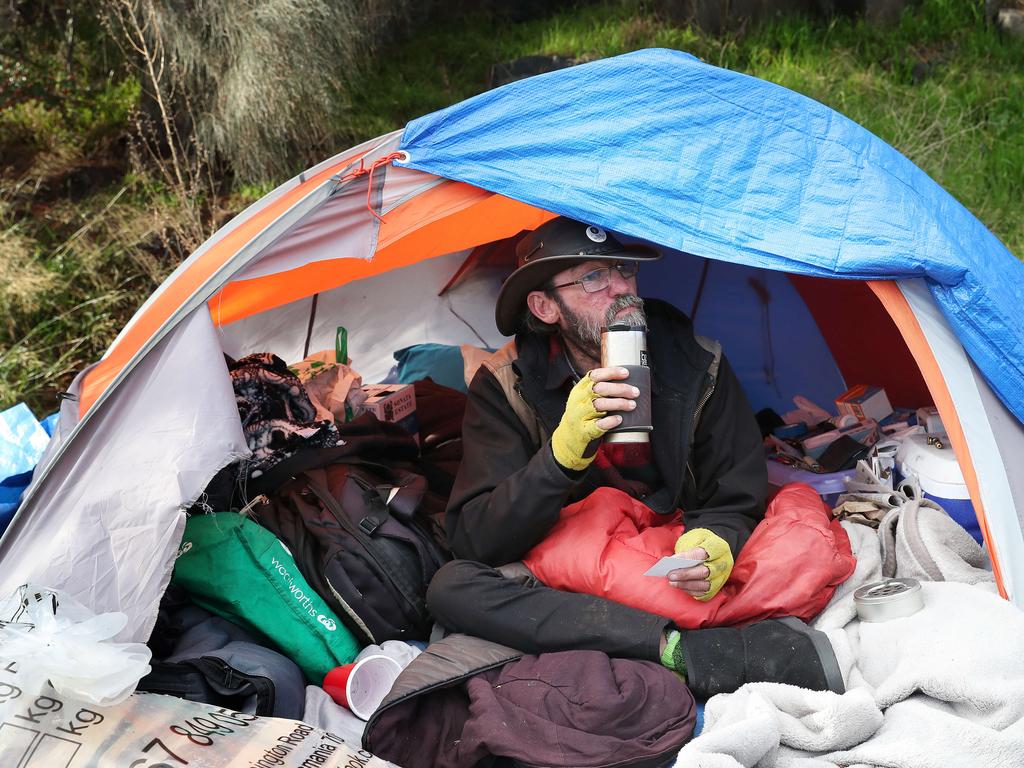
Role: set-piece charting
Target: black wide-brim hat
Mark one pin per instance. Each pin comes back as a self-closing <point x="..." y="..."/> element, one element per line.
<point x="548" y="250"/>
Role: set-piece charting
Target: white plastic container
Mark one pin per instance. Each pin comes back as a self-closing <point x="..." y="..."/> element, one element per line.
<point x="938" y="472"/>
<point x="829" y="486"/>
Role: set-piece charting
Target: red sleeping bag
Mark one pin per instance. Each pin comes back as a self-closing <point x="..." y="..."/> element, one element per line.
<point x="790" y="566"/>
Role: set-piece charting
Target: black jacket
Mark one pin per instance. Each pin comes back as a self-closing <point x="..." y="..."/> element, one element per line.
<point x="509" y="491"/>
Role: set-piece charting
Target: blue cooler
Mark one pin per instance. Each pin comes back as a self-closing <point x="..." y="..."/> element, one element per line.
<point x="828" y="485"/>
<point x="938" y="472"/>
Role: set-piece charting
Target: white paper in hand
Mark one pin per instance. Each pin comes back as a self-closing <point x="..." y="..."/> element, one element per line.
<point x="669" y="563"/>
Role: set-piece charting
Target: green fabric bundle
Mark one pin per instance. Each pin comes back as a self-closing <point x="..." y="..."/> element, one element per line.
<point x="239" y="570"/>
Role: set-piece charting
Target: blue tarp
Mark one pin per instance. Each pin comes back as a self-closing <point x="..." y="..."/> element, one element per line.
<point x="22" y="442"/>
<point x="658" y="145"/>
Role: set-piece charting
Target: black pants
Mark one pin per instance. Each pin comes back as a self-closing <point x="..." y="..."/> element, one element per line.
<point x="518" y="611"/>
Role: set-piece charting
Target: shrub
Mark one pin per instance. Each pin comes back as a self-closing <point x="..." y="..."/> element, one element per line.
<point x="256" y="83"/>
<point x="31" y="126"/>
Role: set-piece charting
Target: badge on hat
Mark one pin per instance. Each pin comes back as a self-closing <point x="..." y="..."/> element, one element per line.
<point x="597" y="234"/>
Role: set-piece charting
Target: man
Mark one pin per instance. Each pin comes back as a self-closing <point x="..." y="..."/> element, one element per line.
<point x="531" y="444"/>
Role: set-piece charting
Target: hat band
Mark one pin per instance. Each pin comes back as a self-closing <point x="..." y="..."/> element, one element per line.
<point x="603" y="251"/>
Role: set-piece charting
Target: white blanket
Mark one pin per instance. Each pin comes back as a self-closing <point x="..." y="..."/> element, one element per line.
<point x="943" y="687"/>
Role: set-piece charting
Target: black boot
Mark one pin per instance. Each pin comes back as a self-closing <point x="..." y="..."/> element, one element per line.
<point x="775" y="651"/>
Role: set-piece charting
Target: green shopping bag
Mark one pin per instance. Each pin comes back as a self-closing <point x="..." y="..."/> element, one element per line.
<point x="239" y="570"/>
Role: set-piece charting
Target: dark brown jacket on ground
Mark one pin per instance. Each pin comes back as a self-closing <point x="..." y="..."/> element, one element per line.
<point x="465" y="700"/>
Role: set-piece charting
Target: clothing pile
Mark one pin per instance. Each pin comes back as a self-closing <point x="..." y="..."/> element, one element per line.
<point x="314" y="552"/>
<point x="810" y="445"/>
<point x="467" y="700"/>
<point x="277" y="414"/>
<point x="315" y="555"/>
<point x="941" y="686"/>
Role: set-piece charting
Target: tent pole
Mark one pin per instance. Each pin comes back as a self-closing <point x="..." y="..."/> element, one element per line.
<point x="700" y="289"/>
<point x="309" y="328"/>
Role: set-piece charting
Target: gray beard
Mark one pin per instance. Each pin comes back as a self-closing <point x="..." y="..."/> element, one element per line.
<point x="585" y="334"/>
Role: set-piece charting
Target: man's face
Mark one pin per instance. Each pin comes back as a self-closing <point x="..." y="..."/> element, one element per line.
<point x="583" y="315"/>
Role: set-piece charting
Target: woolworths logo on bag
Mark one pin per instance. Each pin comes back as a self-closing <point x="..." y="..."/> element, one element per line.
<point x="306" y="601"/>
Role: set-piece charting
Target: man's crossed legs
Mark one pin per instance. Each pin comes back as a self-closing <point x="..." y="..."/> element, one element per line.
<point x="509" y="606"/>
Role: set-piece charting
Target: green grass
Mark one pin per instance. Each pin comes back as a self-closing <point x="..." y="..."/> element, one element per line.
<point x="69" y="283"/>
<point x="941" y="86"/>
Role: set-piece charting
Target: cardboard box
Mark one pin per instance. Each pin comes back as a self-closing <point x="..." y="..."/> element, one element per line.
<point x="395" y="403"/>
<point x="931" y="421"/>
<point x="864" y="403"/>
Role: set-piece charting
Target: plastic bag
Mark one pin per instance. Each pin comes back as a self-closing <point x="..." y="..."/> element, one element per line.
<point x="52" y="637"/>
<point x="334" y="388"/>
<point x="22" y="440"/>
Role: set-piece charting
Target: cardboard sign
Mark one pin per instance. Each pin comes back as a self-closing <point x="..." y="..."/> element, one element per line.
<point x="45" y="730"/>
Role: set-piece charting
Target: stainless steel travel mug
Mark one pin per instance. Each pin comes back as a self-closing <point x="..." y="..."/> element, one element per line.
<point x="625" y="346"/>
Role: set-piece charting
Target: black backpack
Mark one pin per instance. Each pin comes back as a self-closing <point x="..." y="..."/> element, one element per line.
<point x="364" y="535"/>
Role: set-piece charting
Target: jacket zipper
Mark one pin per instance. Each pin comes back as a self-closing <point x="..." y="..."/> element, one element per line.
<point x="696" y="421"/>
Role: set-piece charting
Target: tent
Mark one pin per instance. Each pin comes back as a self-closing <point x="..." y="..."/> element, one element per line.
<point x="838" y="261"/>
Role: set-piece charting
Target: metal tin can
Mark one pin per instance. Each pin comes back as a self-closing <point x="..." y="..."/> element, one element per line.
<point x="888" y="599"/>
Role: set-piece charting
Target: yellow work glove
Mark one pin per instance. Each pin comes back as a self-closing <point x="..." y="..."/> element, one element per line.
<point x="578" y="427"/>
<point x="719" y="560"/>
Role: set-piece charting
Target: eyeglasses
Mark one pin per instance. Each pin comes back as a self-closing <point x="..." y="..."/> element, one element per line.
<point x="598" y="279"/>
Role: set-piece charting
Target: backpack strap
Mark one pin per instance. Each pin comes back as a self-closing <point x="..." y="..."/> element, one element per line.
<point x="500" y="366"/>
<point x="388" y="559"/>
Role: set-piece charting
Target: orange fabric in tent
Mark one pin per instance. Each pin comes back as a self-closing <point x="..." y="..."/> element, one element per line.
<point x="855" y="327"/>
<point x="452" y="217"/>
<point x="896" y="304"/>
<point x="444" y="219"/>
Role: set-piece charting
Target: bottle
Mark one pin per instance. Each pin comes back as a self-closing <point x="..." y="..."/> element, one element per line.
<point x="625" y="346"/>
